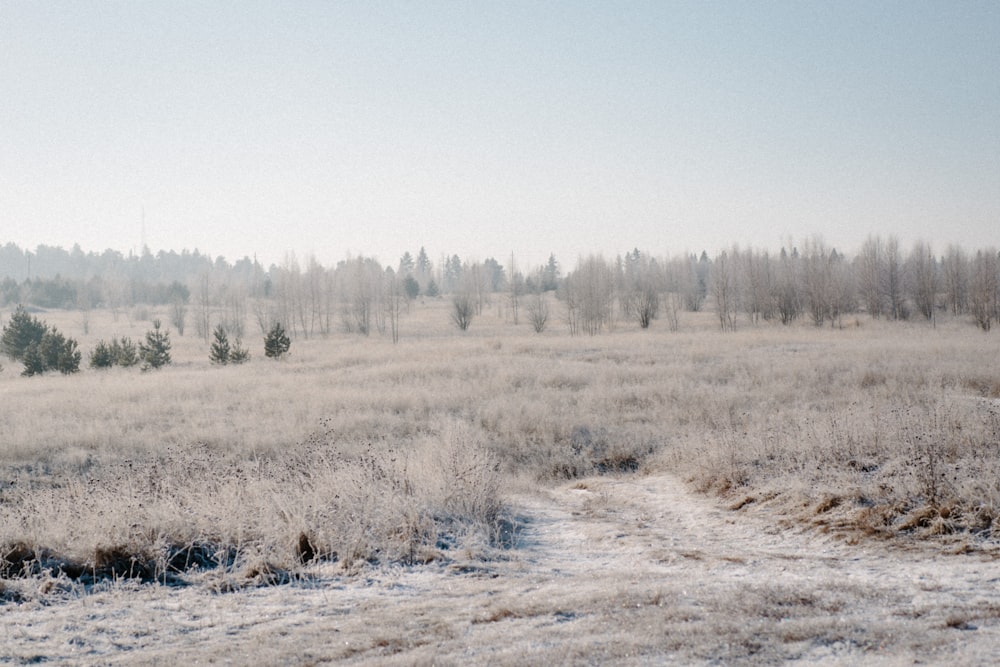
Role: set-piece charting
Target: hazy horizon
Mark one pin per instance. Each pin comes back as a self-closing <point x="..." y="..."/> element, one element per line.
<point x="481" y="129"/>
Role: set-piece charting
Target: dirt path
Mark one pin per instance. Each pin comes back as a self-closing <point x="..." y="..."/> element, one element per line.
<point x="634" y="570"/>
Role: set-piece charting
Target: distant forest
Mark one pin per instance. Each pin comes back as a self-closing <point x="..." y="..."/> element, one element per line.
<point x="740" y="285"/>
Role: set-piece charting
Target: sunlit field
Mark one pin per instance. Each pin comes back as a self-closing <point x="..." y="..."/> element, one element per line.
<point x="355" y="454"/>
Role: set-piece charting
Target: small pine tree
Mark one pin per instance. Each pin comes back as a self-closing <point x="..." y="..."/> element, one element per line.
<point x="21" y="332"/>
<point x="59" y="353"/>
<point x="432" y="289"/>
<point x="116" y="353"/>
<point x="276" y="342"/>
<point x="220" y="350"/>
<point x="155" y="352"/>
<point x="102" y="356"/>
<point x="70" y="357"/>
<point x="239" y="354"/>
<point x="40" y="348"/>
<point x="126" y="354"/>
<point x="411" y="287"/>
<point x="33" y="362"/>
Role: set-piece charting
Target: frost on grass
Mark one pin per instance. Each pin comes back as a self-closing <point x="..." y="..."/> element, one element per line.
<point x="263" y="520"/>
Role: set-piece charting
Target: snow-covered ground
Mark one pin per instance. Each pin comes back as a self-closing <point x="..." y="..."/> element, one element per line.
<point x="629" y="570"/>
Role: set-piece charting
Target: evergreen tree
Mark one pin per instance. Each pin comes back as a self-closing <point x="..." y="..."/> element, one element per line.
<point x="29" y="340"/>
<point x="155" y="352"/>
<point x="411" y="287"/>
<point x="276" y="342"/>
<point x="239" y="354"/>
<point x="59" y="353"/>
<point x="126" y="354"/>
<point x="220" y="351"/>
<point x="102" y="356"/>
<point x="423" y="264"/>
<point x="406" y="264"/>
<point x="432" y="289"/>
<point x="116" y="353"/>
<point x="550" y="278"/>
<point x="50" y="348"/>
<point x="21" y="332"/>
<point x="33" y="363"/>
<point x="495" y="274"/>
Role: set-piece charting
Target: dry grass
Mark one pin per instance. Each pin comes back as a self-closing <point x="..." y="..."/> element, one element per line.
<point x="359" y="451"/>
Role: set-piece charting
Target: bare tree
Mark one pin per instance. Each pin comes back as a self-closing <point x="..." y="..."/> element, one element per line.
<point x="362" y="293"/>
<point x="787" y="287"/>
<point x="675" y="272"/>
<point x="570" y="297"/>
<point x="478" y="279"/>
<point x="516" y="286"/>
<point x="870" y="270"/>
<point x="955" y="272"/>
<point x="922" y="278"/>
<point x="892" y="280"/>
<point x="203" y="303"/>
<point x="725" y="289"/>
<point x="674" y="302"/>
<point x="590" y="295"/>
<point x="314" y="298"/>
<point x="265" y="313"/>
<point x="984" y="288"/>
<point x="815" y="278"/>
<point x="287" y="293"/>
<point x="696" y="283"/>
<point x="395" y="301"/>
<point x="83" y="304"/>
<point x="843" y="289"/>
<point x="115" y="293"/>
<point x="640" y="282"/>
<point x="828" y="282"/>
<point x="178" y="313"/>
<point x="234" y="310"/>
<point x="647" y="305"/>
<point x="463" y="308"/>
<point x="538" y="311"/>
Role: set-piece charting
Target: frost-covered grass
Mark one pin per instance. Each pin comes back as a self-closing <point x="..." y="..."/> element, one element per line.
<point x="354" y="450"/>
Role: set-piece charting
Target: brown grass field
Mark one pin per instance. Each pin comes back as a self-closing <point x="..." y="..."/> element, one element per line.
<point x="773" y="494"/>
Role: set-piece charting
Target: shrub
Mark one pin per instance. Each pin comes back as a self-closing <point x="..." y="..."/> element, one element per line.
<point x="121" y="352"/>
<point x="276" y="342"/>
<point x="155" y="352"/>
<point x="101" y="356"/>
<point x="462" y="310"/>
<point x="538" y="312"/>
<point x="239" y="354"/>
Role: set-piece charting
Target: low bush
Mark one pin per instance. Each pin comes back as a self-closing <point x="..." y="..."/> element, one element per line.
<point x="119" y="352"/>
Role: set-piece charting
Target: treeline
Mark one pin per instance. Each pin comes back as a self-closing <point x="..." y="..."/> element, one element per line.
<point x="817" y="283"/>
<point x="742" y="286"/>
<point x="882" y="280"/>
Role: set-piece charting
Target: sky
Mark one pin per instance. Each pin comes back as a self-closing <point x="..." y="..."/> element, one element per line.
<point x="487" y="128"/>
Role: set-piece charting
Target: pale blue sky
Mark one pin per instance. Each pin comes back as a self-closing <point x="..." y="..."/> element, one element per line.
<point x="482" y="128"/>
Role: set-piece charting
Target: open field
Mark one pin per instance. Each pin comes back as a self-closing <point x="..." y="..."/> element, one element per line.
<point x="773" y="493"/>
